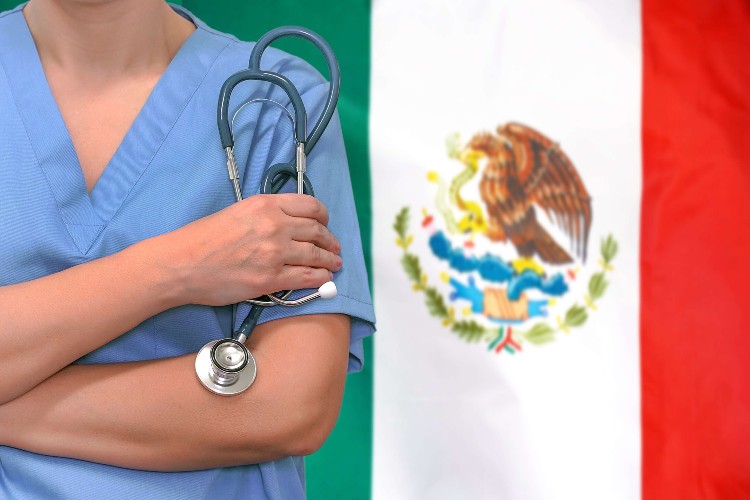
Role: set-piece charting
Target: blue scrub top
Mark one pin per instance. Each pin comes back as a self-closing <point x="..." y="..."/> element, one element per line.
<point x="168" y="171"/>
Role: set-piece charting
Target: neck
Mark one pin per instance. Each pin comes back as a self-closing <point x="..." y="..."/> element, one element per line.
<point x="106" y="38"/>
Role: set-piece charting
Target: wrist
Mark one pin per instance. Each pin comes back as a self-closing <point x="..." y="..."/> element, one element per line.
<point x="155" y="262"/>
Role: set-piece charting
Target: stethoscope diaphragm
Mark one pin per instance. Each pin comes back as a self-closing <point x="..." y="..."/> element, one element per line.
<point x="225" y="367"/>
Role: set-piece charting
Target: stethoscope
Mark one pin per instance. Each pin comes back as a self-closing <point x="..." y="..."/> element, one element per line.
<point x="225" y="366"/>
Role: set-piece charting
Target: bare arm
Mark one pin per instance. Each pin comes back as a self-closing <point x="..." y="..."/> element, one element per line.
<point x="155" y="415"/>
<point x="84" y="307"/>
<point x="258" y="246"/>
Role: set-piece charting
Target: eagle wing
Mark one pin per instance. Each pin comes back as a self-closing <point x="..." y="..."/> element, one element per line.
<point x="551" y="182"/>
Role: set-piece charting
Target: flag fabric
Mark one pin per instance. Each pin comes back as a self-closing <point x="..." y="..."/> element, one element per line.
<point x="632" y="380"/>
<point x="696" y="212"/>
<point x="555" y="206"/>
<point x="499" y="376"/>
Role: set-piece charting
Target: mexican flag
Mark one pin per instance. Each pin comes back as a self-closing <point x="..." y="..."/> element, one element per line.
<point x="555" y="204"/>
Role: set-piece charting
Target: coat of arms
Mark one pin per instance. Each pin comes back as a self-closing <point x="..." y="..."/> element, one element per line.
<point x="503" y="270"/>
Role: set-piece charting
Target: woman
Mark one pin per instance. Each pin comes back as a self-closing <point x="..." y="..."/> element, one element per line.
<point x="120" y="250"/>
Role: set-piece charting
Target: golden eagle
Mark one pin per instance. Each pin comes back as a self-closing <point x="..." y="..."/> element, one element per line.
<point x="523" y="169"/>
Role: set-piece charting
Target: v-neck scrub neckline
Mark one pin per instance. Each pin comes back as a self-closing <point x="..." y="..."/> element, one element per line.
<point x="87" y="214"/>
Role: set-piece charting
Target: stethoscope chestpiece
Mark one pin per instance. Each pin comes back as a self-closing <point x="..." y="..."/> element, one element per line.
<point x="225" y="367"/>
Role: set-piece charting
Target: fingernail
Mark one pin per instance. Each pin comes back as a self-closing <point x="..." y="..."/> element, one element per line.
<point x="339" y="262"/>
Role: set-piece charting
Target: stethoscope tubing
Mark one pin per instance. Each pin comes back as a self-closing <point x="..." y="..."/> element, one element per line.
<point x="277" y="175"/>
<point x="215" y="377"/>
<point x="300" y="114"/>
<point x="334" y="71"/>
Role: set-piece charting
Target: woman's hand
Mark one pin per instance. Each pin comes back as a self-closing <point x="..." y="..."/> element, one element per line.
<point x="261" y="245"/>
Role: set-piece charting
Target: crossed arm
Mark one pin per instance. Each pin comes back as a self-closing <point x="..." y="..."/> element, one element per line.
<point x="155" y="415"/>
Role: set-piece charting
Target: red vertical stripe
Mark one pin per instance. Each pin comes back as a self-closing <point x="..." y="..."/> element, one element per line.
<point x="695" y="255"/>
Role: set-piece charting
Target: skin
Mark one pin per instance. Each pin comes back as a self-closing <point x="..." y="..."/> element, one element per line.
<point x="94" y="53"/>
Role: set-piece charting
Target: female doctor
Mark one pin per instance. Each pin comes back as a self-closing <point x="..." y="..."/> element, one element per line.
<point x="121" y="253"/>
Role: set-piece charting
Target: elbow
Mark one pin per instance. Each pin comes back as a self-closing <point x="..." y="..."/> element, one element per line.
<point x="308" y="433"/>
<point x="305" y="445"/>
<point x="309" y="440"/>
<point x="297" y="427"/>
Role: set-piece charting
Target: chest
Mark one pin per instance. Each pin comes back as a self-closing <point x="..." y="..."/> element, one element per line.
<point x="98" y="115"/>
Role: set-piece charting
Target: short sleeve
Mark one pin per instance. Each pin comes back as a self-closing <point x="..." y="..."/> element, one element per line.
<point x="264" y="137"/>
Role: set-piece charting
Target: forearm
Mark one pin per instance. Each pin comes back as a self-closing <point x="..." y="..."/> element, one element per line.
<point x="46" y="324"/>
<point x="155" y="415"/>
<point x="263" y="244"/>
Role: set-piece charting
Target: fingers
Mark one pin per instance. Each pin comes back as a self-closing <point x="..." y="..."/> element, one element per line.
<point x="296" y="205"/>
<point x="297" y="277"/>
<point x="287" y="236"/>
<point x="312" y="231"/>
<point x="309" y="255"/>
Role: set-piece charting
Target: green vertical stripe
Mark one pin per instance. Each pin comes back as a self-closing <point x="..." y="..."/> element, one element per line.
<point x="341" y="469"/>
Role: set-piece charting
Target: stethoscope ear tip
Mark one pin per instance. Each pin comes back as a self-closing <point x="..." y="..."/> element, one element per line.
<point x="328" y="290"/>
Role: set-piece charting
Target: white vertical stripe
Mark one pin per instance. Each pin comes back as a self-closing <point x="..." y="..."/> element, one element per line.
<point x="453" y="420"/>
